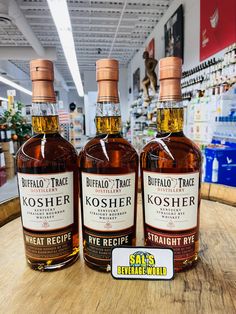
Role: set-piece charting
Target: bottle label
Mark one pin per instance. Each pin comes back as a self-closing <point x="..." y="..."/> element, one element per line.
<point x="183" y="245"/>
<point x="46" y="200"/>
<point x="99" y="245"/>
<point x="108" y="201"/>
<point x="171" y="200"/>
<point x="48" y="246"/>
<point x="108" y="211"/>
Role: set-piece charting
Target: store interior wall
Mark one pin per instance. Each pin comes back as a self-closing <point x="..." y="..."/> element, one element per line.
<point x="72" y="96"/>
<point x="18" y="76"/>
<point x="20" y="96"/>
<point x="90" y="87"/>
<point x="63" y="96"/>
<point x="123" y="92"/>
<point x="90" y="83"/>
<point x="191" y="39"/>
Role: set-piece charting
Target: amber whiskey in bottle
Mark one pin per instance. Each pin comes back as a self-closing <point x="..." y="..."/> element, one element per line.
<point x="171" y="175"/>
<point x="108" y="177"/>
<point x="48" y="181"/>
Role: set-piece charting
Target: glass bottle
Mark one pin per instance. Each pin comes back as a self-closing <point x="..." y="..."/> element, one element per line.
<point x="48" y="181"/>
<point x="171" y="175"/>
<point x="108" y="177"/>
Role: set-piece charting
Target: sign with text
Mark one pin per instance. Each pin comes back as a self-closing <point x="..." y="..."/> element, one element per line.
<point x="142" y="263"/>
<point x="11" y="92"/>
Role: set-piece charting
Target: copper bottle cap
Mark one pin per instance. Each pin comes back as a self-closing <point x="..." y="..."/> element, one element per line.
<point x="107" y="69"/>
<point x="107" y="76"/>
<point x="42" y="76"/>
<point x="170" y="72"/>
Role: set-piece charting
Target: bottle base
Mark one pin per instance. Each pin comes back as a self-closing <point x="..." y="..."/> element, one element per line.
<point x="101" y="268"/>
<point x="47" y="266"/>
<point x="186" y="265"/>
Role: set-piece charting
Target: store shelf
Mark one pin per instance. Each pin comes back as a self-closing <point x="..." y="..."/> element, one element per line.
<point x="208" y="288"/>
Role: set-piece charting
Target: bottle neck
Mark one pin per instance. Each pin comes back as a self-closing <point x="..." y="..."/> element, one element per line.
<point x="108" y="118"/>
<point x="43" y="92"/>
<point x="108" y="91"/>
<point x="170" y="117"/>
<point x="45" y="118"/>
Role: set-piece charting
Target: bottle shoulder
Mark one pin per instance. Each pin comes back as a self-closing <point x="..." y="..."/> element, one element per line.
<point x="180" y="144"/>
<point x="171" y="152"/>
<point x="47" y="147"/>
<point x="99" y="143"/>
<point x="108" y="151"/>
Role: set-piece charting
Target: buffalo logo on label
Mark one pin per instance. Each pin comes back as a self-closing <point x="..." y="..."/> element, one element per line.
<point x="108" y="225"/>
<point x="45" y="224"/>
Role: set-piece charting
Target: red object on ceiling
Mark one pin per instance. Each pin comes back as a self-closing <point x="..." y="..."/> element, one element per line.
<point x="217" y="26"/>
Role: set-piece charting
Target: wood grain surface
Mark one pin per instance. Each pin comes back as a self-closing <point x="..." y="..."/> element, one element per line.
<point x="9" y="210"/>
<point x="208" y="288"/>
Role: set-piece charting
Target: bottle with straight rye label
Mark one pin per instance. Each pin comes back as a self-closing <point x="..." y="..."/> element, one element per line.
<point x="171" y="175"/>
<point x="48" y="181"/>
<point x="108" y="177"/>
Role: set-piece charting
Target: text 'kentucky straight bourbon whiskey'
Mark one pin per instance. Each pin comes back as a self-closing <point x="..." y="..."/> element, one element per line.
<point x="171" y="175"/>
<point x="108" y="177"/>
<point x="48" y="181"/>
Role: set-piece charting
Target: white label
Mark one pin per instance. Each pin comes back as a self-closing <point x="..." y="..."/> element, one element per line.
<point x="171" y="200"/>
<point x="46" y="200"/>
<point x="108" y="201"/>
<point x="11" y="147"/>
<point x="11" y="92"/>
<point x="3" y="135"/>
<point x="2" y="162"/>
<point x="142" y="263"/>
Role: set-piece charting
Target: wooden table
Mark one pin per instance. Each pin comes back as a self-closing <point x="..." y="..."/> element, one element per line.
<point x="209" y="288"/>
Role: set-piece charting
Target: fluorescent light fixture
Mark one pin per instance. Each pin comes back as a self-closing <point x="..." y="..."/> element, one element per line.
<point x="4" y="99"/>
<point x="60" y="14"/>
<point x="14" y="85"/>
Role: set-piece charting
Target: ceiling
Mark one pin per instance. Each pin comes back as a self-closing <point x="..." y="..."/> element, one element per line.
<point x="100" y="28"/>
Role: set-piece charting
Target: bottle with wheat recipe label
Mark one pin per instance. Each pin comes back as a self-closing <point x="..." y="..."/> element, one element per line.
<point x="48" y="181"/>
<point x="108" y="177"/>
<point x="171" y="175"/>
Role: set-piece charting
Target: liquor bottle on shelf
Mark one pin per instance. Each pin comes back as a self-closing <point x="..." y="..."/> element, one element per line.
<point x="171" y="175"/>
<point x="48" y="181"/>
<point x="215" y="168"/>
<point x="3" y="175"/>
<point x="108" y="177"/>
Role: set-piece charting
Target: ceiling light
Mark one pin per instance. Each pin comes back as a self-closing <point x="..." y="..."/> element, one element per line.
<point x="4" y="99"/>
<point x="14" y="85"/>
<point x="60" y="14"/>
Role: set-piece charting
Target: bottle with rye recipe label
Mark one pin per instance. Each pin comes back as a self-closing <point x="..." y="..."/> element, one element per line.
<point x="171" y="175"/>
<point x="48" y="181"/>
<point x="108" y="177"/>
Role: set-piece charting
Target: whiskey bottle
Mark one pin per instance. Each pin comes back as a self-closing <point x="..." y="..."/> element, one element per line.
<point x="108" y="177"/>
<point x="48" y="181"/>
<point x="171" y="175"/>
